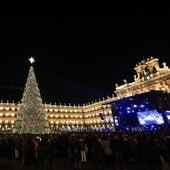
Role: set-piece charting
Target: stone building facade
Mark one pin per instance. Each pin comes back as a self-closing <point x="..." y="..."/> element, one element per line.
<point x="96" y="115"/>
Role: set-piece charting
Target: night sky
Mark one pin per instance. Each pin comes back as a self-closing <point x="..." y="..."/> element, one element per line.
<point x="79" y="56"/>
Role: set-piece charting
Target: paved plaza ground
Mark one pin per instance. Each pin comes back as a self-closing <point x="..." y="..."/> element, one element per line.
<point x="64" y="164"/>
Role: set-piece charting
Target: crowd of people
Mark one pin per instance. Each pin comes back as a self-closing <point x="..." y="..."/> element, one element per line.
<point x="123" y="149"/>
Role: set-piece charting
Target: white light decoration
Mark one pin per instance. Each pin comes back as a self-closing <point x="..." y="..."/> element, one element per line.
<point x="31" y="60"/>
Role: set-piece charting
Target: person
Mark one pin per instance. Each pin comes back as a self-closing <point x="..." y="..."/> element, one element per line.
<point x="29" y="153"/>
<point x="108" y="154"/>
<point x="97" y="152"/>
<point x="76" y="155"/>
<point x="83" y="150"/>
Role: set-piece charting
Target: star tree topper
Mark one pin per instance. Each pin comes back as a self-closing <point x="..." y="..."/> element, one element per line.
<point x="31" y="60"/>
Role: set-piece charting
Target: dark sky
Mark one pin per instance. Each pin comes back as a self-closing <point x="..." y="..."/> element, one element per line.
<point x="79" y="55"/>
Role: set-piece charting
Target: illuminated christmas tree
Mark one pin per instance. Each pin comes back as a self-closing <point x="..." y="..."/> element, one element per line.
<point x="31" y="116"/>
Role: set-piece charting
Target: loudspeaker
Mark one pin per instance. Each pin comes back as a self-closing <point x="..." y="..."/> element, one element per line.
<point x="101" y="116"/>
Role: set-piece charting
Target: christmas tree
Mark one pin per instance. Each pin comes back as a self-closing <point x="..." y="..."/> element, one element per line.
<point x="31" y="116"/>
